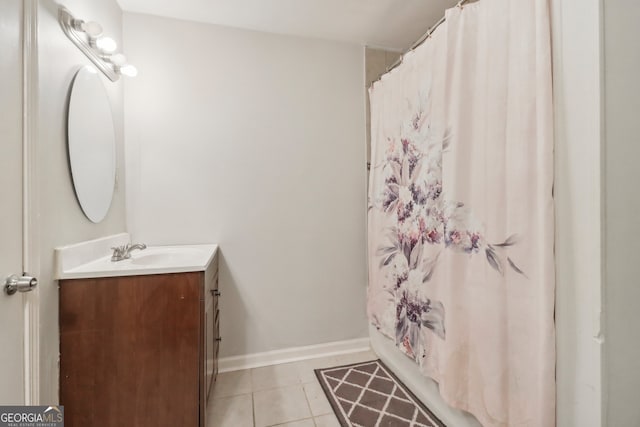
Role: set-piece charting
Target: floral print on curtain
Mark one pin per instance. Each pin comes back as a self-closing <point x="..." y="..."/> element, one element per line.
<point x="413" y="198"/>
<point x="461" y="211"/>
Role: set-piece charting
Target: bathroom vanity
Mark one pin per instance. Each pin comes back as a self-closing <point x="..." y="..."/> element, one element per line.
<point x="139" y="339"/>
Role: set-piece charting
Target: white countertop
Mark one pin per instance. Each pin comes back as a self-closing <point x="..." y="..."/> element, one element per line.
<point x="72" y="262"/>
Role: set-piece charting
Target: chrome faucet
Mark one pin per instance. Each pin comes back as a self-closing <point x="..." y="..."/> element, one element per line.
<point x="124" y="251"/>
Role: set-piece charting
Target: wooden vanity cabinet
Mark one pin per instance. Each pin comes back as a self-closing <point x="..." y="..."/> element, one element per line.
<point x="138" y="350"/>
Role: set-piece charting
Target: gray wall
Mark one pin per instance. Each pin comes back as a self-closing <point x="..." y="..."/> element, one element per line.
<point x="254" y="141"/>
<point x="60" y="219"/>
<point x="377" y="62"/>
<point x="622" y="211"/>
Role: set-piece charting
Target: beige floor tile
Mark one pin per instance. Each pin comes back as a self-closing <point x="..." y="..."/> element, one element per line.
<point x="303" y="423"/>
<point x="327" y="421"/>
<point x="236" y="411"/>
<point x="280" y="405"/>
<point x="232" y="384"/>
<point x="275" y="376"/>
<point x="317" y="399"/>
<point x="306" y="367"/>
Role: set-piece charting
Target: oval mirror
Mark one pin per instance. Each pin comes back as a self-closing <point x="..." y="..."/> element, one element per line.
<point x="92" y="144"/>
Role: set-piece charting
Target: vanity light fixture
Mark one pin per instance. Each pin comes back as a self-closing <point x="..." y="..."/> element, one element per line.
<point x="101" y="50"/>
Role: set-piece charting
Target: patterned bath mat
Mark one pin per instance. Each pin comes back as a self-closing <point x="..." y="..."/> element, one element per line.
<point x="367" y="394"/>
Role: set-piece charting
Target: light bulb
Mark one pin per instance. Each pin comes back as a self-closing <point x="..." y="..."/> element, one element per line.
<point x="93" y="29"/>
<point x="128" y="70"/>
<point x="106" y="44"/>
<point x="118" y="59"/>
<point x="91" y="69"/>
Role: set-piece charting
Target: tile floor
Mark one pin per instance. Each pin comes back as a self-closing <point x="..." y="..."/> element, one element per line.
<point x="287" y="395"/>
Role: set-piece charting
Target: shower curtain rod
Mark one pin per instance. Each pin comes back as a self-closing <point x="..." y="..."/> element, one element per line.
<point x="418" y="43"/>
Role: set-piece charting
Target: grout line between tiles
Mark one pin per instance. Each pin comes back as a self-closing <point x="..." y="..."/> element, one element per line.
<point x="299" y="383"/>
<point x="253" y="409"/>
<point x="294" y="421"/>
<point x="279" y="386"/>
<point x="253" y="400"/>
<point x="306" y="397"/>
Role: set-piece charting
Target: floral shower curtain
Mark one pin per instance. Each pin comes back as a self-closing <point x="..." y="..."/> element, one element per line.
<point x="461" y="266"/>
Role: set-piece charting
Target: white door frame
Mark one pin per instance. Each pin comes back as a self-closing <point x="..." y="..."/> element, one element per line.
<point x="30" y="244"/>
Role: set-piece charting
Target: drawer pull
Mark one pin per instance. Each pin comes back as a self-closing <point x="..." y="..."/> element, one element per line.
<point x="216" y="292"/>
<point x="219" y="339"/>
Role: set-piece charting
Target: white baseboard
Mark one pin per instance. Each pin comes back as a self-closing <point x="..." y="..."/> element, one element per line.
<point x="294" y="354"/>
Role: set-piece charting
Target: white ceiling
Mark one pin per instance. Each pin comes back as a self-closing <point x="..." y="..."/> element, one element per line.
<point x="391" y="24"/>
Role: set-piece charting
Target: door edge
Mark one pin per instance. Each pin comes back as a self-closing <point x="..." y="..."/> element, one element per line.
<point x="30" y="247"/>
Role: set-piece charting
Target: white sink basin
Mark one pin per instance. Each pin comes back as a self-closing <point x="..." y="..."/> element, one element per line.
<point x="159" y="256"/>
<point x="73" y="262"/>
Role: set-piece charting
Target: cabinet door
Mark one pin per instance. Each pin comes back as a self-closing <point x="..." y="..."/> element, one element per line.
<point x="130" y="350"/>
